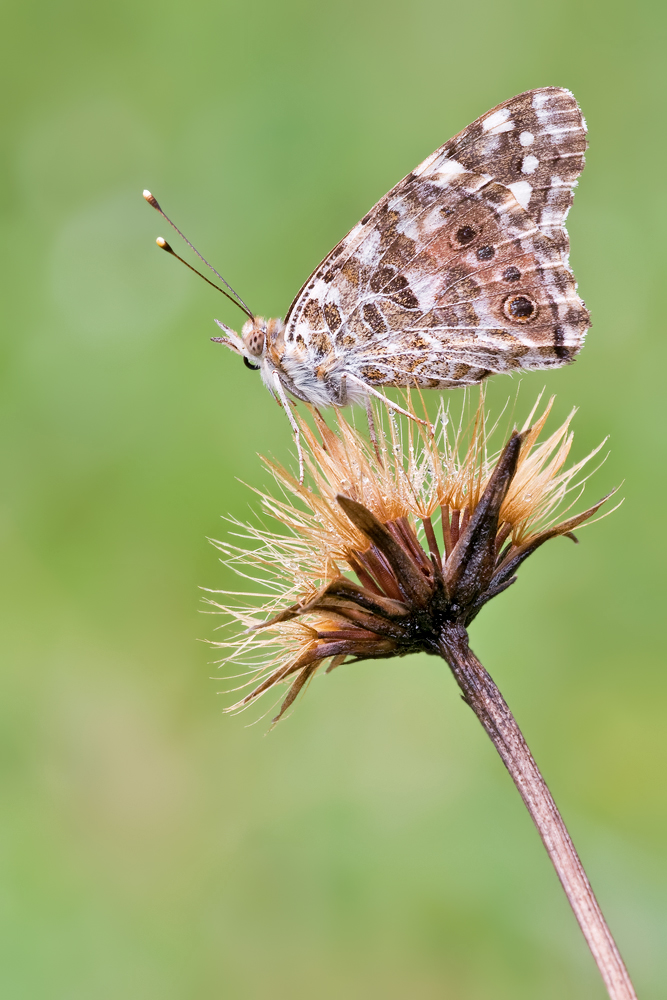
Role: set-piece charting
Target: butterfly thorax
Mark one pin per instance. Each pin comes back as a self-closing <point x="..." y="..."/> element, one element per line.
<point x="264" y="346"/>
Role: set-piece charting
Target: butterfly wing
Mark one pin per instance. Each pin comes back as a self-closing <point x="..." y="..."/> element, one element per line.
<point x="534" y="144"/>
<point x="461" y="269"/>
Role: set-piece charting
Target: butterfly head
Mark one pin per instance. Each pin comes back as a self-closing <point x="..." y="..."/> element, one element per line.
<point x="258" y="336"/>
<point x="254" y="338"/>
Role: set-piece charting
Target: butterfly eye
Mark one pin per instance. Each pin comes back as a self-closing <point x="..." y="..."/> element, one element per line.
<point x="520" y="308"/>
<point x="253" y="368"/>
<point x="254" y="337"/>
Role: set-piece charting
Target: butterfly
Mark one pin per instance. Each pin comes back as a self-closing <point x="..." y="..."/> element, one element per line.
<point x="461" y="271"/>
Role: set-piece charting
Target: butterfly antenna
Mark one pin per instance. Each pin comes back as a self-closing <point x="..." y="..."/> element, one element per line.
<point x="237" y="298"/>
<point x="163" y="245"/>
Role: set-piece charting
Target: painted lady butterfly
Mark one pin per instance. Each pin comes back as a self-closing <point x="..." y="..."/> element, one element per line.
<point x="459" y="272"/>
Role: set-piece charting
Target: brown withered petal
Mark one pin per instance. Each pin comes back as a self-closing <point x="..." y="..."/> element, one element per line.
<point x="372" y="517"/>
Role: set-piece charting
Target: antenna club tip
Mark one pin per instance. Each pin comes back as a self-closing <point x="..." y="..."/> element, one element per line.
<point x="163" y="245"/>
<point x="151" y="199"/>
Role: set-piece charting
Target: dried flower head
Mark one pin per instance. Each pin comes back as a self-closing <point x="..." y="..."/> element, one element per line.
<point x="356" y="570"/>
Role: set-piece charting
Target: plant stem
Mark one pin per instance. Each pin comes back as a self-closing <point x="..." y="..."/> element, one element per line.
<point x="482" y="695"/>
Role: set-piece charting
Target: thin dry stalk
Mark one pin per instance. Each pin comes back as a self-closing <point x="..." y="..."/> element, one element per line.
<point x="360" y="573"/>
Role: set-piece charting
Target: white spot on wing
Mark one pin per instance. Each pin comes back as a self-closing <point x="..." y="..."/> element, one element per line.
<point x="497" y="118"/>
<point x="530" y="164"/>
<point x="446" y="170"/>
<point x="526" y="138"/>
<point x="367" y="252"/>
<point x="505" y="127"/>
<point x="540" y="99"/>
<point x="319" y="290"/>
<point x="522" y="191"/>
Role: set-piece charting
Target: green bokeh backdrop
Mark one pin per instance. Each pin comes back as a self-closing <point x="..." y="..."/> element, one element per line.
<point x="372" y="846"/>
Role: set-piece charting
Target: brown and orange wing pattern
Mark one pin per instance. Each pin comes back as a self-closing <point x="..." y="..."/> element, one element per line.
<point x="461" y="270"/>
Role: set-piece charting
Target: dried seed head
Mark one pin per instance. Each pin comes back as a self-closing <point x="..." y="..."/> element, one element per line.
<point x="379" y="552"/>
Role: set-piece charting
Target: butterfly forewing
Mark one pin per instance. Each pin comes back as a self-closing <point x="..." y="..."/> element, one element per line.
<point x="461" y="269"/>
<point x="534" y="144"/>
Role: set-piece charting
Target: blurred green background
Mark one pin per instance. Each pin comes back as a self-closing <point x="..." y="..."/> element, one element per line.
<point x="371" y="846"/>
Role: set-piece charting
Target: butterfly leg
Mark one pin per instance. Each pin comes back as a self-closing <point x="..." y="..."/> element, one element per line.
<point x="295" y="427"/>
<point x="387" y="402"/>
<point x="372" y="432"/>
